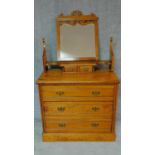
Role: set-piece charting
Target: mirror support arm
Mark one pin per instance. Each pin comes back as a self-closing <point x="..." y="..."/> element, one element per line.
<point x="46" y="63"/>
<point x="111" y="56"/>
<point x="44" y="57"/>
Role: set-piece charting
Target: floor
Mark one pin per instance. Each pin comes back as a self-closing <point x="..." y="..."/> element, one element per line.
<point x="75" y="148"/>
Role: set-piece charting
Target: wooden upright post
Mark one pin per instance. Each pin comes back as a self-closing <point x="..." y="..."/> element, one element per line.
<point x="112" y="57"/>
<point x="44" y="58"/>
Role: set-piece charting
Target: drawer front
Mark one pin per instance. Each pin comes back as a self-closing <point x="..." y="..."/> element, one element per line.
<point x="71" y="68"/>
<point x="77" y="126"/>
<point x="53" y="92"/>
<point x="73" y="108"/>
<point x="85" y="68"/>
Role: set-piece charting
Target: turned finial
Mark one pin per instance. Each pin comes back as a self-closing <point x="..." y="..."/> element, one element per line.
<point x="44" y="58"/>
<point x="44" y="43"/>
<point x="111" y="38"/>
<point x="111" y="55"/>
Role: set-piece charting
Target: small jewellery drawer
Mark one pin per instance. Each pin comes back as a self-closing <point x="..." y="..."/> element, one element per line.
<point x="72" y="108"/>
<point x="77" y="125"/>
<point x="49" y="92"/>
<point x="70" y="68"/>
<point x="85" y="68"/>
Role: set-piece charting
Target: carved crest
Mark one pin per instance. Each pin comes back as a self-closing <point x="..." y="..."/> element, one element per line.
<point x="76" y="21"/>
<point x="76" y="13"/>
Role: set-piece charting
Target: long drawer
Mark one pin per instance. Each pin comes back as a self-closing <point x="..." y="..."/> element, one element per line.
<point x="74" y="108"/>
<point x="77" y="125"/>
<point x="49" y="93"/>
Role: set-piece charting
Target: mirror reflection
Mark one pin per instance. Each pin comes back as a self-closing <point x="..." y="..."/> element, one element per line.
<point x="77" y="41"/>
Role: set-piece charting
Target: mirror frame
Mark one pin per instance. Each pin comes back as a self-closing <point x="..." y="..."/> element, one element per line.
<point x="77" y="17"/>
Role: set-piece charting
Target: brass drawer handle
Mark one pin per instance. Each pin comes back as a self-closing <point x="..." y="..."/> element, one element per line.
<point x="61" y="109"/>
<point x="60" y="93"/>
<point x="95" y="108"/>
<point x="94" y="125"/>
<point x="62" y="125"/>
<point x="96" y="93"/>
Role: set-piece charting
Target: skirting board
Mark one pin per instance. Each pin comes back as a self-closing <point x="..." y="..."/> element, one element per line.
<point x="49" y="137"/>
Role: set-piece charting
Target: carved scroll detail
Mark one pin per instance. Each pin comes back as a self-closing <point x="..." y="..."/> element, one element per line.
<point x="77" y="21"/>
<point x="74" y="22"/>
<point x="76" y="13"/>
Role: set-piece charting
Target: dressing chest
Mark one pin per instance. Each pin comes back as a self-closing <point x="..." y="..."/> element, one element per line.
<point x="78" y="100"/>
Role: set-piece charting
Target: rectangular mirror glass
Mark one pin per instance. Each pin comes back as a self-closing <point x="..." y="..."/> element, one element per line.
<point x="77" y="42"/>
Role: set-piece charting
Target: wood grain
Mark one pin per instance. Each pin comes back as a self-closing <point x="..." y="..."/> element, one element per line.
<point x="78" y="103"/>
<point x="48" y="137"/>
<point x="77" y="108"/>
<point x="77" y="91"/>
<point x="77" y="126"/>
<point x="52" y="77"/>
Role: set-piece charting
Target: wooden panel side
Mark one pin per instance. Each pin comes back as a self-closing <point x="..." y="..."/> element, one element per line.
<point x="114" y="108"/>
<point x="41" y="108"/>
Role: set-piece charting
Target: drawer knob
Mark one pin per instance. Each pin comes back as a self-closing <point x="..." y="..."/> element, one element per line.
<point x="95" y="108"/>
<point x="61" y="109"/>
<point x="94" y="125"/>
<point x="62" y="125"/>
<point x="95" y="93"/>
<point x="60" y="93"/>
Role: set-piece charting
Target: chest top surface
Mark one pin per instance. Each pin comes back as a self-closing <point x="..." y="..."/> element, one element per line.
<point x="58" y="77"/>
